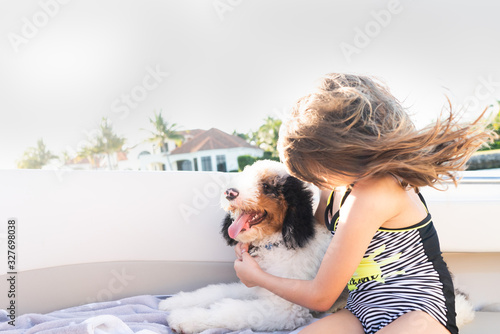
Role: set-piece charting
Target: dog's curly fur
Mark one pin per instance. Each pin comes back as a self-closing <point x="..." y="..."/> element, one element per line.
<point x="273" y="212"/>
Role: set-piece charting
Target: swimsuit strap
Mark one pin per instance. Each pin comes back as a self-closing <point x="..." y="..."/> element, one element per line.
<point x="345" y="196"/>
<point x="331" y="224"/>
<point x="423" y="200"/>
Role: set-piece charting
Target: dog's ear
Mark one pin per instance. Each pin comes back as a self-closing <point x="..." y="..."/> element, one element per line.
<point x="298" y="226"/>
<point x="225" y="225"/>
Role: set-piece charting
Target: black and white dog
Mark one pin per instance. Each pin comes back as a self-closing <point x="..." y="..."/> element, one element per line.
<point x="273" y="212"/>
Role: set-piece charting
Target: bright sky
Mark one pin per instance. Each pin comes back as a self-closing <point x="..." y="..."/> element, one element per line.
<point x="226" y="63"/>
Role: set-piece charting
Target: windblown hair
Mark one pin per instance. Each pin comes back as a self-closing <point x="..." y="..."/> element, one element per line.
<point x="352" y="126"/>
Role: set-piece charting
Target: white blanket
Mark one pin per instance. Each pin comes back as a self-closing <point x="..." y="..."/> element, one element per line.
<point x="135" y="315"/>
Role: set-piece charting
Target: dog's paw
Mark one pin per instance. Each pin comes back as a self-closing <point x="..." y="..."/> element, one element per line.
<point x="191" y="320"/>
<point x="180" y="300"/>
<point x="164" y="305"/>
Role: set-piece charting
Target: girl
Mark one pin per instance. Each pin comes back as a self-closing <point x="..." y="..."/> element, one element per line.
<point x="353" y="137"/>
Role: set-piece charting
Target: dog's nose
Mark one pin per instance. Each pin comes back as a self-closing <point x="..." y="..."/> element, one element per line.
<point x="231" y="194"/>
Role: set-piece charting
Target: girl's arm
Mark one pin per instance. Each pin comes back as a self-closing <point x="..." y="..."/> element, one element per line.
<point x="369" y="205"/>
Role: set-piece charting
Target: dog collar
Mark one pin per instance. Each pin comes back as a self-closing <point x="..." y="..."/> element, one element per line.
<point x="268" y="246"/>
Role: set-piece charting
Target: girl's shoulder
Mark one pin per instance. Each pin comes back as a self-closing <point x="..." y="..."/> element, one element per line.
<point x="379" y="193"/>
<point x="385" y="197"/>
<point x="385" y="185"/>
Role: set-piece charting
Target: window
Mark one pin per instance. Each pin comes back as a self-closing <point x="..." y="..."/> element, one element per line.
<point x="184" y="165"/>
<point x="206" y="163"/>
<point x="221" y="163"/>
<point x="195" y="164"/>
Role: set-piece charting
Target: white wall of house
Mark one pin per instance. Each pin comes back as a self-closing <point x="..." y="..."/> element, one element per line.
<point x="152" y="161"/>
<point x="231" y="155"/>
<point x="155" y="162"/>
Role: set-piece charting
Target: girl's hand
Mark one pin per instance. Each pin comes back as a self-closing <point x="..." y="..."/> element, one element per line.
<point x="239" y="249"/>
<point x="248" y="270"/>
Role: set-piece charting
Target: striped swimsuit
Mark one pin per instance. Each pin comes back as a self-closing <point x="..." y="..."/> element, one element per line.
<point x="402" y="271"/>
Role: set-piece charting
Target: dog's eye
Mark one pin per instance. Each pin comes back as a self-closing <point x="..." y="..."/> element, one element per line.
<point x="267" y="188"/>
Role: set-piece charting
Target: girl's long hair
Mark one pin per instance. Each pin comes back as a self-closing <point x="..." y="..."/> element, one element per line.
<point x="353" y="127"/>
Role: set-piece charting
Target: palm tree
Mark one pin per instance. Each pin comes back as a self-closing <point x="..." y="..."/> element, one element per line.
<point x="103" y="141"/>
<point x="108" y="141"/>
<point x="163" y="132"/>
<point x="266" y="137"/>
<point x="36" y="157"/>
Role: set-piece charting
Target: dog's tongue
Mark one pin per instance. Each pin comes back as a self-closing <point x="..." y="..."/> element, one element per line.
<point x="240" y="223"/>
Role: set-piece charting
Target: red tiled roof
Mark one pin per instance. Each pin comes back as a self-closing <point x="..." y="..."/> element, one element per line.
<point x="212" y="139"/>
<point x="82" y="161"/>
<point x="76" y="161"/>
<point x="191" y="133"/>
<point x="121" y="156"/>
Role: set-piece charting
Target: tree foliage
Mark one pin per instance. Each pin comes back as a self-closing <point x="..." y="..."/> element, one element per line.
<point x="495" y="126"/>
<point x="266" y="137"/>
<point x="246" y="160"/>
<point x="163" y="132"/>
<point x="109" y="142"/>
<point x="36" y="157"/>
<point x="101" y="142"/>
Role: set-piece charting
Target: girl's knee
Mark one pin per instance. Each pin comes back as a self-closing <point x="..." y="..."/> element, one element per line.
<point x="342" y="321"/>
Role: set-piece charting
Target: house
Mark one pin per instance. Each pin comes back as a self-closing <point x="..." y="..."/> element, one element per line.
<point x="212" y="150"/>
<point x="203" y="150"/>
